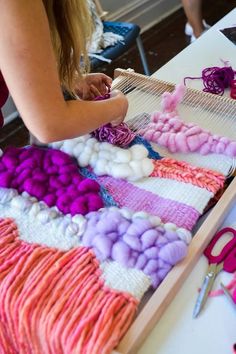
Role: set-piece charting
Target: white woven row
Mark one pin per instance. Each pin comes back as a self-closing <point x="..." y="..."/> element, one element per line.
<point x="215" y="162"/>
<point x="181" y="192"/>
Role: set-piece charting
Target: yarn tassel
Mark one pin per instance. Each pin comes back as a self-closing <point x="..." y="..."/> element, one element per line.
<point x="56" y="302"/>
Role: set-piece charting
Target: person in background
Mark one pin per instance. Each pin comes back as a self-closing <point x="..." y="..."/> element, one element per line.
<point x="42" y="46"/>
<point x="196" y="25"/>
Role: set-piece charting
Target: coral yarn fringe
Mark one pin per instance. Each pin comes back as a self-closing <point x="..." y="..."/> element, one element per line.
<point x="181" y="171"/>
<point x="56" y="302"/>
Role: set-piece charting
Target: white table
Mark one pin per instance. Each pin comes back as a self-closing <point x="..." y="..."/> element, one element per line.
<point x="214" y="331"/>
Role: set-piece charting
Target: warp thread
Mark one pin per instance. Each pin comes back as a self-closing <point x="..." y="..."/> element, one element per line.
<point x="168" y="130"/>
<point x="51" y="176"/>
<point x="215" y="79"/>
<point x="56" y="302"/>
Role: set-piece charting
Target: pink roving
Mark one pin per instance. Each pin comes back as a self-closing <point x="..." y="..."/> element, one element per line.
<point x="51" y="176"/>
<point x="167" y="129"/>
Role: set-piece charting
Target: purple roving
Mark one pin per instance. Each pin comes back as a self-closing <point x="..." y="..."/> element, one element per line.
<point x="51" y="176"/>
<point x="133" y="243"/>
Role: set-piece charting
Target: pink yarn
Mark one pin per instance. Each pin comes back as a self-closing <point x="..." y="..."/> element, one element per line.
<point x="170" y="100"/>
<point x="57" y="302"/>
<point x="168" y="130"/>
<point x="51" y="176"/>
<point x="127" y="195"/>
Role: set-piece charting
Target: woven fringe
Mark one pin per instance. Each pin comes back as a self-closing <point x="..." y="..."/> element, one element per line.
<point x="182" y="171"/>
<point x="56" y="302"/>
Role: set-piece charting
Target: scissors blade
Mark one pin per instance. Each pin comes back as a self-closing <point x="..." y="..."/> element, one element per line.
<point x="205" y="289"/>
<point x="227" y="294"/>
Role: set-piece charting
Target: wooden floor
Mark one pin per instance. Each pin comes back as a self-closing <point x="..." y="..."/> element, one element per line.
<point x="161" y="43"/>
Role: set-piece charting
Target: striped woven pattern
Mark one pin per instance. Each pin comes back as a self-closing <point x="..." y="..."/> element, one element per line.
<point x="184" y="172"/>
<point x="128" y="195"/>
<point x="56" y="302"/>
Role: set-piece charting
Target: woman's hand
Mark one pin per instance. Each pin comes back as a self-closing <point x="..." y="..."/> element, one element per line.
<point x="93" y="85"/>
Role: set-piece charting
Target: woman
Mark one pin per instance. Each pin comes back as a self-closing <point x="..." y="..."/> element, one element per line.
<point x="41" y="46"/>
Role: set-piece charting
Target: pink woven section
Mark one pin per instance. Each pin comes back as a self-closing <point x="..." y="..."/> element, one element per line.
<point x="182" y="171"/>
<point x="127" y="195"/>
<point x="56" y="302"/>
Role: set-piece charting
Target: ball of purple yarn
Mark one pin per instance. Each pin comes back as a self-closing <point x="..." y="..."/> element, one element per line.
<point x="119" y="135"/>
<point x="216" y="79"/>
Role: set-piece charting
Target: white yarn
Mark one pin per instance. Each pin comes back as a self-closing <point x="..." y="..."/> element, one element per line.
<point x="182" y="192"/>
<point x="215" y="162"/>
<point x="48" y="227"/>
<point x="106" y="159"/>
<point x="130" y="280"/>
<point x="39" y="223"/>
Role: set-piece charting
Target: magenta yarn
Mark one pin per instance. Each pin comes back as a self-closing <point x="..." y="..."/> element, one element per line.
<point x="51" y="176"/>
<point x="133" y="243"/>
<point x="215" y="79"/>
<point x="119" y="135"/>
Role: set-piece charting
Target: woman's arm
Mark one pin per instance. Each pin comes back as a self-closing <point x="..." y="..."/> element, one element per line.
<point x="28" y="65"/>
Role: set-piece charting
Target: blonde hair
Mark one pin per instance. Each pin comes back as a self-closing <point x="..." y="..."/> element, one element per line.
<point x="71" y="30"/>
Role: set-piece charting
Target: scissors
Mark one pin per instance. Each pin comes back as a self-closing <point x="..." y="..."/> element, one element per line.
<point x="225" y="260"/>
<point x="228" y="295"/>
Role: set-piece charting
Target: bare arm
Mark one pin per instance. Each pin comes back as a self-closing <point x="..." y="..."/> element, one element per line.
<point x="28" y="65"/>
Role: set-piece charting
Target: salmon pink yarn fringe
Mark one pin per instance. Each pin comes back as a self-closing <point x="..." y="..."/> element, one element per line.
<point x="182" y="171"/>
<point x="56" y="302"/>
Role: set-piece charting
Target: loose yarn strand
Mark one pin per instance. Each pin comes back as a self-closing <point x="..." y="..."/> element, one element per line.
<point x="215" y="79"/>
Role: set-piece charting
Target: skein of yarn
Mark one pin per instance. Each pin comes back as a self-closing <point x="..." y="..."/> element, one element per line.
<point x="215" y="79"/>
<point x="119" y="135"/>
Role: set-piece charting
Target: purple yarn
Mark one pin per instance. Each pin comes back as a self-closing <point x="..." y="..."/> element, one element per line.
<point x="51" y="176"/>
<point x="120" y="135"/>
<point x="154" y="250"/>
<point x="215" y="79"/>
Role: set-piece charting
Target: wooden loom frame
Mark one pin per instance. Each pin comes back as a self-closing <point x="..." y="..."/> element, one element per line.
<point x="165" y="293"/>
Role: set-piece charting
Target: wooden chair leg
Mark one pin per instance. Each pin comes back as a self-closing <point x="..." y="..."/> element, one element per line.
<point x="142" y="55"/>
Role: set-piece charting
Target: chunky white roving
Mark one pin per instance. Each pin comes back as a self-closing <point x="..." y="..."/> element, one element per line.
<point x="106" y="159"/>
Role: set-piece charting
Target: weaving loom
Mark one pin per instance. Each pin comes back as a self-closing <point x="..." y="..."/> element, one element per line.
<point x="95" y="226"/>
